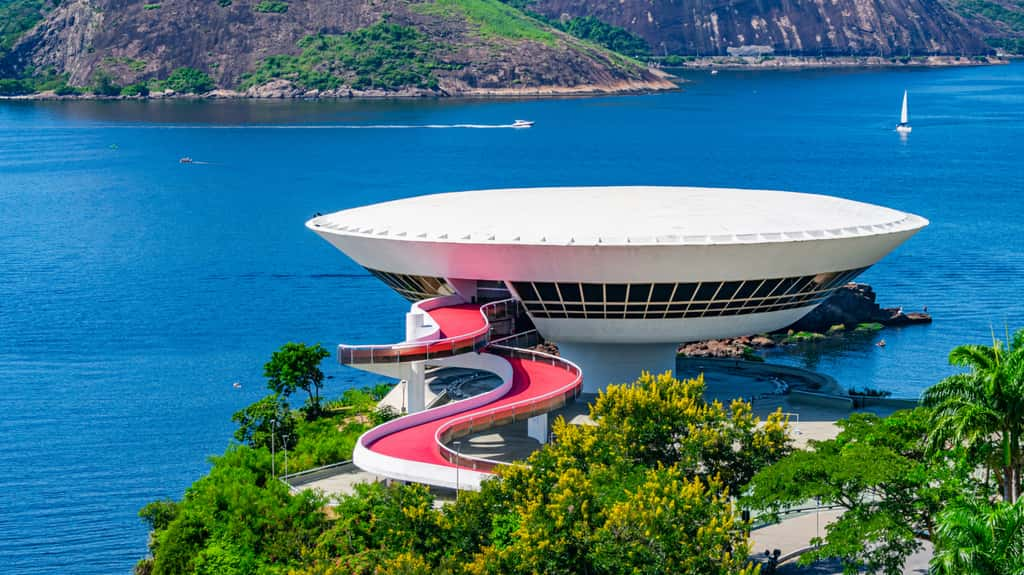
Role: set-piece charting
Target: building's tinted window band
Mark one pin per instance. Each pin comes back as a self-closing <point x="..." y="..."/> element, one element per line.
<point x="414" y="288"/>
<point x="673" y="301"/>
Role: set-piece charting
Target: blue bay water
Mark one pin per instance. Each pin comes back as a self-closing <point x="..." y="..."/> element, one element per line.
<point x="135" y="290"/>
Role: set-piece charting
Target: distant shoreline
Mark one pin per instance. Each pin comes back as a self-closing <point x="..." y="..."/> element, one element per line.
<point x="770" y="62"/>
<point x="663" y="81"/>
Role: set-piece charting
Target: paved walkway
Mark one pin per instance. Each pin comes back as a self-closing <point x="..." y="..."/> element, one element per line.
<point x="795" y="533"/>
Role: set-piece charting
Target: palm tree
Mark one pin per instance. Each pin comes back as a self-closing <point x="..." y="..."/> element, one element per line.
<point x="983" y="409"/>
<point x="981" y="538"/>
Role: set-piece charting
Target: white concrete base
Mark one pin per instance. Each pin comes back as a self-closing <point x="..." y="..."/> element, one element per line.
<point x="537" y="428"/>
<point x="617" y="363"/>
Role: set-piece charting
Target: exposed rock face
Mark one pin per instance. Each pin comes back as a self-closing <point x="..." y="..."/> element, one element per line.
<point x="849" y="306"/>
<point x="853" y="304"/>
<point x="134" y="43"/>
<point x="831" y="28"/>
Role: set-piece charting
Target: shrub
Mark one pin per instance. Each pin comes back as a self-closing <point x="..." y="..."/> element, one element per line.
<point x="136" y="89"/>
<point x="14" y="87"/>
<point x="103" y="84"/>
<point x="151" y="7"/>
<point x="189" y="81"/>
<point x="271" y="7"/>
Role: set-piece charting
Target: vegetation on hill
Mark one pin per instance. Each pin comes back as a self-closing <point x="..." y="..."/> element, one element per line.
<point x="592" y="29"/>
<point x="383" y="56"/>
<point x="494" y="19"/>
<point x="17" y="17"/>
<point x="1006" y="16"/>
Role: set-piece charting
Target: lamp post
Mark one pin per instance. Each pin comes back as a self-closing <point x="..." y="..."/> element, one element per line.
<point x="273" y="432"/>
<point x="285" y="447"/>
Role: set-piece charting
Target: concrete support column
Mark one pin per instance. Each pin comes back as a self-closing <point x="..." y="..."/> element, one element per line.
<point x="537" y="428"/>
<point x="604" y="363"/>
<point x="415" y="387"/>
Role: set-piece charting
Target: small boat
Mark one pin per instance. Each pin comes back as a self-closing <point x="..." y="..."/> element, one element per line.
<point x="522" y="124"/>
<point x="714" y="72"/>
<point x="236" y="385"/>
<point x="185" y="160"/>
<point x="881" y="343"/>
<point x="904" y="126"/>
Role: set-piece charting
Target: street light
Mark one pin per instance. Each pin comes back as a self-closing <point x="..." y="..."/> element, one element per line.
<point x="285" y="437"/>
<point x="273" y="432"/>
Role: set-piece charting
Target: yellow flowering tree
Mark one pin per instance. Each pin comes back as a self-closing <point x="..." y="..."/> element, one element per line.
<point x="661" y="419"/>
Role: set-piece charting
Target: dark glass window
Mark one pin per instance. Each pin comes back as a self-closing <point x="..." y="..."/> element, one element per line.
<point x="706" y="291"/>
<point x="662" y="292"/>
<point x="570" y="291"/>
<point x="615" y="308"/>
<point x="784" y="285"/>
<point x="593" y="293"/>
<point x="526" y="291"/>
<point x="684" y="292"/>
<point x="639" y="293"/>
<point x="594" y="308"/>
<point x="728" y="290"/>
<point x="573" y="307"/>
<point x="546" y="291"/>
<point x="615" y="292"/>
<point x="655" y="307"/>
<point x="766" y="288"/>
<point x="747" y="289"/>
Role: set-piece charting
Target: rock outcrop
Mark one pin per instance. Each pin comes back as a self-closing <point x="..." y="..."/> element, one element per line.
<point x="850" y="306"/>
<point x="137" y="41"/>
<point x="889" y="28"/>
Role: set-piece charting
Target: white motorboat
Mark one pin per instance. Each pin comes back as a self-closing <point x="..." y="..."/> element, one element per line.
<point x="522" y="124"/>
<point x="904" y="126"/>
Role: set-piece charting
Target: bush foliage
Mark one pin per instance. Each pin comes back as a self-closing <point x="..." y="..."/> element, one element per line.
<point x="383" y="56"/>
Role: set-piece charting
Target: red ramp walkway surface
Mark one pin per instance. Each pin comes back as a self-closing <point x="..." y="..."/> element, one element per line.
<point x="413" y="447"/>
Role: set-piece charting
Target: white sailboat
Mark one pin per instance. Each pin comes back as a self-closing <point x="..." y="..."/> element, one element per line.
<point x="904" y="126"/>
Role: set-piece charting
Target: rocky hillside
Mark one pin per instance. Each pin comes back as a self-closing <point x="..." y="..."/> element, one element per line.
<point x="309" y="47"/>
<point x="889" y="28"/>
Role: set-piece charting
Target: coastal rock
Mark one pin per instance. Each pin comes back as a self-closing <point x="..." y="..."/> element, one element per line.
<point x="274" y="89"/>
<point x="850" y="306"/>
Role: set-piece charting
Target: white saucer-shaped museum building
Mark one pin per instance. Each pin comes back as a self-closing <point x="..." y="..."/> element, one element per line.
<point x="619" y="276"/>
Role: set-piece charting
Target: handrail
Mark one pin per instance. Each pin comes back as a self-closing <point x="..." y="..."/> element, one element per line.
<point x="450" y="346"/>
<point x="542" y="404"/>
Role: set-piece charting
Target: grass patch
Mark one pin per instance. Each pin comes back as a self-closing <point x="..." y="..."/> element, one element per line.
<point x="493" y="19"/>
<point x="872" y="326"/>
<point x="151" y="6"/>
<point x="271" y="7"/>
<point x="131" y="63"/>
<point x="383" y="56"/>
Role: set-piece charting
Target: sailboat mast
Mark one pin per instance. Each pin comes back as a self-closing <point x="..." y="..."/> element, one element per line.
<point x="904" y="116"/>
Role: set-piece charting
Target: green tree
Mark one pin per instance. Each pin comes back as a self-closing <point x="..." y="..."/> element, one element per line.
<point x="661" y="419"/>
<point x="983" y="410"/>
<point x="980" y="537"/>
<point x="187" y="80"/>
<point x="880" y="472"/>
<point x="103" y="84"/>
<point x="267" y="418"/>
<point x="297" y="366"/>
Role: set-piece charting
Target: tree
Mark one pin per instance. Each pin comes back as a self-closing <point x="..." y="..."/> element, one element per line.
<point x="266" y="423"/>
<point x="880" y="472"/>
<point x="980" y="537"/>
<point x="661" y="419"/>
<point x="103" y="84"/>
<point x="297" y="366"/>
<point x="983" y="410"/>
<point x="187" y="80"/>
